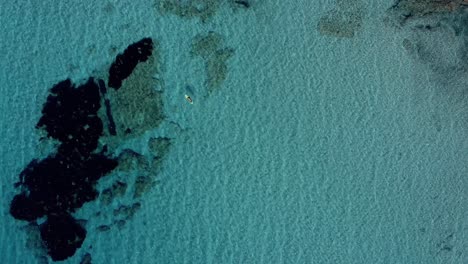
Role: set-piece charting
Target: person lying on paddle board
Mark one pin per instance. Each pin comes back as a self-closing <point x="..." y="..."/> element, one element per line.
<point x="189" y="92"/>
<point x="189" y="99"/>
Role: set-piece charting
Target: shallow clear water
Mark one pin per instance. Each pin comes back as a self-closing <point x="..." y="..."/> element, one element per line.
<point x="314" y="149"/>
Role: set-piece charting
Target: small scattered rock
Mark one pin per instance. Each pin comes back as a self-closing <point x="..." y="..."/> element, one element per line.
<point x="210" y="48"/>
<point x="130" y="160"/>
<point x="86" y="259"/>
<point x="242" y="3"/>
<point x="159" y="146"/>
<point x="142" y="185"/>
<point x="117" y="189"/>
<point x="120" y="223"/>
<point x="127" y="212"/>
<point x="106" y="197"/>
<point x="103" y="228"/>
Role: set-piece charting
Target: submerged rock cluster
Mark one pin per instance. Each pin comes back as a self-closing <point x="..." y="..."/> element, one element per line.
<point x="83" y="126"/>
<point x="210" y="48"/>
<point x="53" y="188"/>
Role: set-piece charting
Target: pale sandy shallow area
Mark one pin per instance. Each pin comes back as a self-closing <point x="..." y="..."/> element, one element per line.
<point x="316" y="149"/>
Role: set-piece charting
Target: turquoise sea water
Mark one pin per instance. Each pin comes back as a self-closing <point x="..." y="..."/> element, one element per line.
<point x="315" y="149"/>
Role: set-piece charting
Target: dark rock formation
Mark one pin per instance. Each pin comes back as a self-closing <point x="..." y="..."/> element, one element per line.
<point x="62" y="235"/>
<point x="242" y="3"/>
<point x="103" y="228"/>
<point x="59" y="184"/>
<point x="24" y="208"/>
<point x="70" y="116"/>
<point x="125" y="63"/>
<point x="53" y="187"/>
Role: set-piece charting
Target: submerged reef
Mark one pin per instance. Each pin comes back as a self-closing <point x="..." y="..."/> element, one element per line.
<point x="210" y="48"/>
<point x="434" y="34"/>
<point x="136" y="105"/>
<point x="437" y="34"/>
<point x="159" y="146"/>
<point x="344" y="20"/>
<point x="203" y="9"/>
<point x="53" y="188"/>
